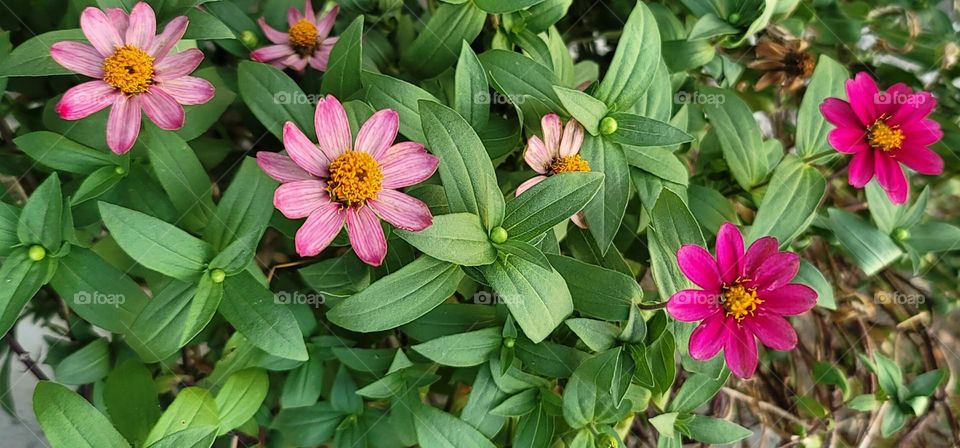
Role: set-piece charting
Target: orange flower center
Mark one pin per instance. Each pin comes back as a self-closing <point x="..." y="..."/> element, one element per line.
<point x="569" y="164"/>
<point x="303" y="35"/>
<point x="129" y="69"/>
<point x="355" y="177"/>
<point x="884" y="137"/>
<point x="738" y="301"/>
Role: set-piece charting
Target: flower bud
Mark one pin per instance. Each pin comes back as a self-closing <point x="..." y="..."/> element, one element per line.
<point x="901" y="234"/>
<point x="218" y="276"/>
<point x="498" y="235"/>
<point x="249" y="38"/>
<point x="37" y="252"/>
<point x="509" y="342"/>
<point x="608" y="125"/>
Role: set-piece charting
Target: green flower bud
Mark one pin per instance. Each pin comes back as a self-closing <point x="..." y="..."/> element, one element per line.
<point x="608" y="125"/>
<point x="120" y="170"/>
<point x="249" y="38"/>
<point x="733" y="18"/>
<point x="37" y="252"/>
<point x="498" y="235"/>
<point x="218" y="276"/>
<point x="509" y="342"/>
<point x="901" y="234"/>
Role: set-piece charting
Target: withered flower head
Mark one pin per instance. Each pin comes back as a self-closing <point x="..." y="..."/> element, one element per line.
<point x="786" y="63"/>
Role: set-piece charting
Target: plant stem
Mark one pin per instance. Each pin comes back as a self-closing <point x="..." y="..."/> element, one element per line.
<point x="25" y="358"/>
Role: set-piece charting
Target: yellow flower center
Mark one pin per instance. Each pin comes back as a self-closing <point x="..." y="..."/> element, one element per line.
<point x="355" y="177"/>
<point x="739" y="302"/>
<point x="883" y="137"/>
<point x="303" y="35"/>
<point x="129" y="69"/>
<point x="569" y="164"/>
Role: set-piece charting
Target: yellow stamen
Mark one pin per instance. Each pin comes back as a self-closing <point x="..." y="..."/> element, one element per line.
<point x="129" y="69"/>
<point x="355" y="177"/>
<point x="303" y="36"/>
<point x="740" y="302"/>
<point x="569" y="164"/>
<point x="883" y="137"/>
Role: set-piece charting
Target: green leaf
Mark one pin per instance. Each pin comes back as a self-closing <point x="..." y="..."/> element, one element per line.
<point x="181" y="175"/>
<point x="465" y="168"/>
<point x="201" y="117"/>
<point x="60" y="153"/>
<point x="595" y="391"/>
<point x="638" y="50"/>
<point x="235" y="257"/>
<point x="696" y="391"/>
<point x="893" y="421"/>
<point x="790" y="202"/>
<point x="470" y="87"/>
<point x="175" y="315"/>
<point x="435" y="48"/>
<point x="870" y="248"/>
<point x="342" y="78"/>
<point x="437" y="429"/>
<point x="549" y="359"/>
<point x="925" y="385"/>
<point x="524" y="83"/>
<point x="305" y="383"/>
<point x="549" y="203"/>
<point x="484" y="396"/>
<point x="709" y="25"/>
<point x="256" y="313"/>
<point x="658" y="161"/>
<point x="713" y="430"/>
<point x="934" y="237"/>
<point x="828" y="81"/>
<point x="341" y="276"/>
<point x="130" y="397"/>
<point x="204" y="26"/>
<point x="596" y="291"/>
<point x="596" y="334"/>
<point x="535" y="429"/>
<point x="739" y="136"/>
<point x="605" y="211"/>
<point x="537" y="298"/>
<point x="541" y="16"/>
<point x="240" y="397"/>
<point x="22" y="278"/>
<point x="308" y="426"/>
<point x="398" y="298"/>
<point x="505" y="6"/>
<point x="274" y="98"/>
<point x="585" y="108"/>
<point x="458" y="238"/>
<point x="96" y="184"/>
<point x="519" y="404"/>
<point x="864" y="403"/>
<point x="527" y="251"/>
<point x="69" y="421"/>
<point x="245" y="208"/>
<point x="41" y="218"/>
<point x="88" y="364"/>
<point x="386" y="92"/>
<point x="634" y="130"/>
<point x="193" y="408"/>
<point x="889" y="376"/>
<point x="155" y="244"/>
<point x="32" y="58"/>
<point x="462" y="350"/>
<point x="811" y="276"/>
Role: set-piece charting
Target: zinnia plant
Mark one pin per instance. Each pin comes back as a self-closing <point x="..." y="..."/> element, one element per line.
<point x="306" y="42"/>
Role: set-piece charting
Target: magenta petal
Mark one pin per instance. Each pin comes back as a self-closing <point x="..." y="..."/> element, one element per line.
<point x="168" y="38"/>
<point x="915" y="107"/>
<point x="691" y="305"/>
<point x="552" y="130"/>
<point x="272" y="53"/>
<point x="839" y="113"/>
<point x="707" y="339"/>
<point x="862" y="92"/>
<point x="277" y="37"/>
<point x="86" y="99"/>
<point x="320" y="228"/>
<point x="100" y="31"/>
<point x="78" y="57"/>
<point x="789" y="300"/>
<point x="740" y="350"/>
<point x="922" y="132"/>
<point x="333" y="129"/>
<point x="293" y="15"/>
<point x="537" y="156"/>
<point x="163" y="109"/>
<point x="848" y="140"/>
<point x="366" y="235"/>
<point x="861" y="168"/>
<point x="920" y="159"/>
<point x="300" y="198"/>
<point x="529" y="183"/>
<point x="890" y="176"/>
<point x="142" y="26"/>
<point x="405" y="164"/>
<point x="177" y="65"/>
<point x="697" y="264"/>
<point x="303" y="151"/>
<point x="401" y="210"/>
<point x="772" y="330"/>
<point x="188" y="90"/>
<point x="572" y="139"/>
<point x="123" y="124"/>
<point x="758" y="253"/>
<point x="775" y="271"/>
<point x="729" y="253"/>
<point x="119" y="18"/>
<point x="378" y="133"/>
<point x="281" y="167"/>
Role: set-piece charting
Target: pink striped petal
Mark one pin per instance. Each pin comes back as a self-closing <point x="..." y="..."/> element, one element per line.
<point x="691" y="305"/>
<point x="271" y="53"/>
<point x="86" y="99"/>
<point x="862" y="92"/>
<point x="920" y="159"/>
<point x="740" y="350"/>
<point x="321" y="57"/>
<point x="78" y="57"/>
<point x="119" y="18"/>
<point x="529" y="183"/>
<point x="165" y="41"/>
<point x="776" y="271"/>
<point x="839" y="113"/>
<point x="333" y="129"/>
<point x="729" y="253"/>
<point x="177" y="65"/>
<point x="303" y="151"/>
<point x="697" y="264"/>
<point x="537" y="156"/>
<point x="772" y="330"/>
<point x="572" y="139"/>
<point x="300" y="198"/>
<point x="848" y="140"/>
<point x="293" y="15"/>
<point x="325" y="23"/>
<point x="552" y="129"/>
<point x="142" y="26"/>
<point x="366" y="235"/>
<point x="405" y="164"/>
<point x="891" y="178"/>
<point x="308" y="12"/>
<point x="163" y="109"/>
<point x="707" y="339"/>
<point x="188" y="90"/>
<point x="319" y="229"/>
<point x="297" y="62"/>
<point x="100" y="31"/>
<point x="277" y="37"/>
<point x="861" y="168"/>
<point x="757" y="254"/>
<point x="789" y="300"/>
<point x="378" y="133"/>
<point x="281" y="167"/>
<point x="403" y="211"/>
<point x="123" y="124"/>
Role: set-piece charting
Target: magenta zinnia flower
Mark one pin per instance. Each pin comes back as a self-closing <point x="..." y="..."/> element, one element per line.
<point x="883" y="130"/>
<point x="742" y="296"/>
<point x="135" y="70"/>
<point x="558" y="152"/>
<point x="339" y="181"/>
<point x="307" y="40"/>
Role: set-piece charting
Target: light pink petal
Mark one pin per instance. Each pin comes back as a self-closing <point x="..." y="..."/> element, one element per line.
<point x="293" y="15"/>
<point x="758" y="253"/>
<point x="775" y="271"/>
<point x="177" y="65"/>
<point x="303" y="151"/>
<point x="405" y="164"/>
<point x="297" y="62"/>
<point x="119" y="18"/>
<point x="333" y="129"/>
<point x="572" y="139"/>
<point x="740" y="350"/>
<point x="78" y="57"/>
<point x="123" y="124"/>
<point x="321" y="57"/>
<point x="308" y="12"/>
<point x="861" y="168"/>
<point x="378" y="133"/>
<point x="863" y="94"/>
<point x="163" y="109"/>
<point x="403" y="211"/>
<point x="325" y="23"/>
<point x="772" y="330"/>
<point x="529" y="183"/>
<point x="142" y="27"/>
<point x="729" y="252"/>
<point x="839" y="113"/>
<point x="789" y="300"/>
<point x="920" y="159"/>
<point x="891" y="178"/>
<point x="168" y="38"/>
<point x="537" y="156"/>
<point x="189" y="90"/>
<point x="320" y="228"/>
<point x="271" y="53"/>
<point x="579" y="220"/>
<point x="86" y="99"/>
<point x="697" y="264"/>
<point x="366" y="235"/>
<point x="100" y="31"/>
<point x="848" y="140"/>
<point x="707" y="339"/>
<point x="277" y="37"/>
<point x="552" y="129"/>
<point x="300" y="198"/>
<point x="281" y="167"/>
<point x="921" y="132"/>
<point x="916" y="107"/>
<point x="691" y="305"/>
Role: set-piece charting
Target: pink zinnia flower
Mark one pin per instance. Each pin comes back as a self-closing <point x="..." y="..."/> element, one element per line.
<point x="743" y="296"/>
<point x="883" y="130"/>
<point x="307" y="40"/>
<point x="558" y="152"/>
<point x="135" y="72"/>
<point x="341" y="181"/>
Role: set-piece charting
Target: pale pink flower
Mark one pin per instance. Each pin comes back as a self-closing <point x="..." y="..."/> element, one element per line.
<point x="557" y="153"/>
<point x="135" y="71"/>
<point x="307" y="41"/>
